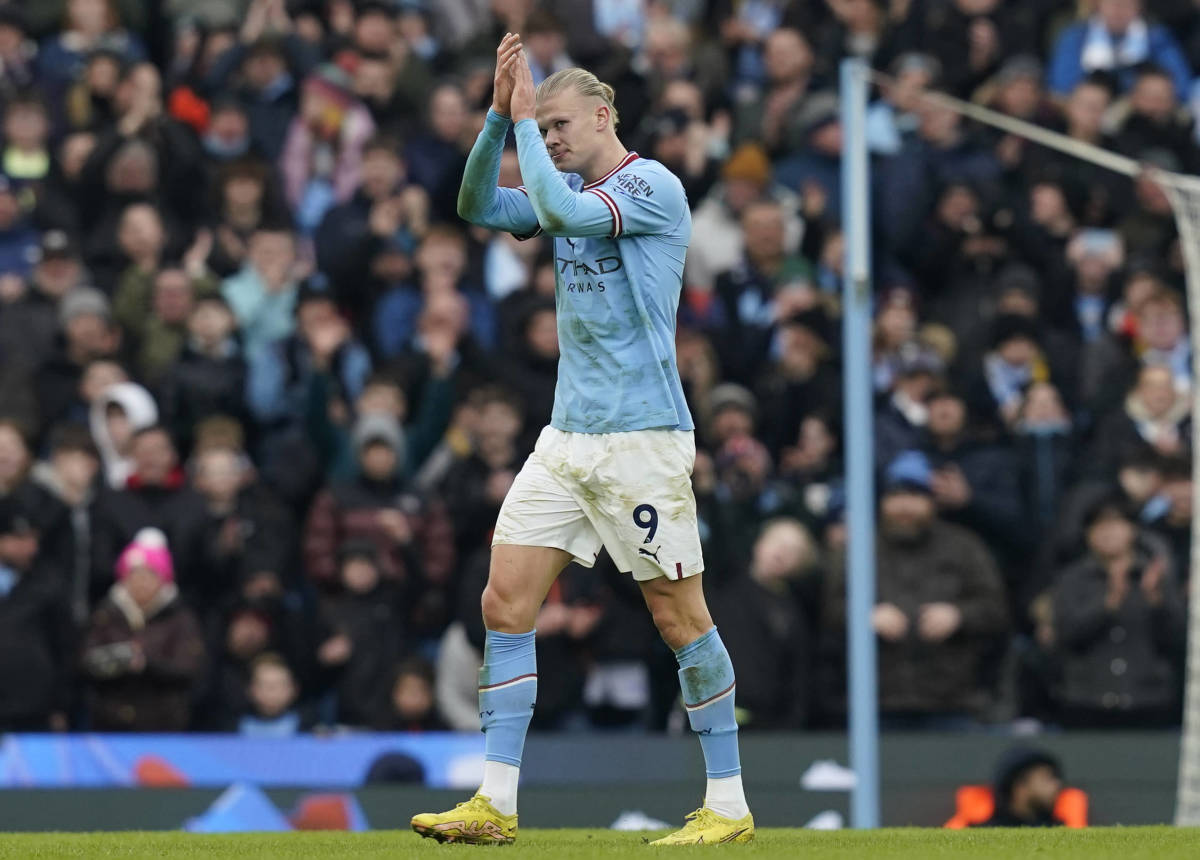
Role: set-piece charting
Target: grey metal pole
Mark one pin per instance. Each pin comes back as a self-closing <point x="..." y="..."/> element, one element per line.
<point x="859" y="447"/>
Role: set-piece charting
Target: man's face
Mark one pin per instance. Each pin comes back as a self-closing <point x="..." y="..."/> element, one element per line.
<point x="1117" y="15"/>
<point x="382" y="399"/>
<point x="89" y="335"/>
<point x="1156" y="390"/>
<point x="906" y="514"/>
<point x="1160" y="325"/>
<point x="787" y="56"/>
<point x="1085" y="109"/>
<point x="378" y="461"/>
<point x="1153" y="97"/>
<point x="448" y="114"/>
<point x="381" y="171"/>
<point x="359" y="575"/>
<point x="56" y="276"/>
<point x="172" y="296"/>
<point x="947" y="416"/>
<point x="1110" y="535"/>
<point x="272" y="254"/>
<point x="141" y="231"/>
<point x="211" y="323"/>
<point x="568" y="122"/>
<point x="374" y="32"/>
<point x="762" y="226"/>
<point x="262" y="68"/>
<point x="153" y="457"/>
<point x="218" y="475"/>
<point x="373" y="80"/>
<point x="499" y="422"/>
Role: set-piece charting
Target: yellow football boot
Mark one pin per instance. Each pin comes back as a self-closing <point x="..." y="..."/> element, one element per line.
<point x="705" y="827"/>
<point x="475" y="822"/>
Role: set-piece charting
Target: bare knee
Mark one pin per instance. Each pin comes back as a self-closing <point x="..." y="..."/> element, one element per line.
<point x="681" y="616"/>
<point x="506" y="612"/>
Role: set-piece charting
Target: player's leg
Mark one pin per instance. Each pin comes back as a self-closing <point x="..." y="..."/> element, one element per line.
<point x="646" y="514"/>
<point x="540" y="529"/>
<point x="518" y="581"/>
<point x="707" y="681"/>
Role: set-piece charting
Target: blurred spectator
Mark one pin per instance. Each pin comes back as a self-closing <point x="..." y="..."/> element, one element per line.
<point x="272" y="699"/>
<point x="1155" y="418"/>
<point x="263" y="293"/>
<point x="412" y="538"/>
<point x="155" y="493"/>
<point x="246" y="532"/>
<point x="70" y="476"/>
<point x="435" y="159"/>
<point x="769" y="637"/>
<point x="361" y="632"/>
<point x="262" y="70"/>
<point x="383" y="210"/>
<point x="29" y="322"/>
<point x="410" y="705"/>
<point x="1117" y="39"/>
<point x="321" y="160"/>
<point x="475" y="486"/>
<point x="36" y="636"/>
<point x="975" y="483"/>
<point x="1156" y="119"/>
<point x="1119" y="627"/>
<point x="209" y="375"/>
<point x="753" y="290"/>
<point x="893" y="119"/>
<point x="26" y="130"/>
<point x="901" y="419"/>
<point x="1046" y="448"/>
<point x="801" y="377"/>
<point x="774" y="117"/>
<point x="143" y="653"/>
<point x="18" y="237"/>
<point x="89" y="25"/>
<point x="1026" y="788"/>
<point x="118" y="414"/>
<point x="1174" y="524"/>
<point x="716" y="238"/>
<point x="940" y="603"/>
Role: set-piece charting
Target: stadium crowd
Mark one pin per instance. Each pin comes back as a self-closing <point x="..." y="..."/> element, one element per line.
<point x="262" y="391"/>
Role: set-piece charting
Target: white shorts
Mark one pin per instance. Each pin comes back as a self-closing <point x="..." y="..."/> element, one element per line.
<point x="630" y="492"/>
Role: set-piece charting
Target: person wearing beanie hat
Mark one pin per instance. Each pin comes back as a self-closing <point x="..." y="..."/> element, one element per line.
<point x="1026" y="786"/>
<point x="411" y="535"/>
<point x="143" y="653"/>
<point x="940" y="601"/>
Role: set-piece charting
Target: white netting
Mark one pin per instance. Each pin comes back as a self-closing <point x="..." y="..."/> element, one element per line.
<point x="1184" y="194"/>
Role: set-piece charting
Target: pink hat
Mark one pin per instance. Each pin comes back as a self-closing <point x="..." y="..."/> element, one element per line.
<point x="149" y="547"/>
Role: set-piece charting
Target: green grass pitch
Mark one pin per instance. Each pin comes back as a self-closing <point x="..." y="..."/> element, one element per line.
<point x="1125" y="843"/>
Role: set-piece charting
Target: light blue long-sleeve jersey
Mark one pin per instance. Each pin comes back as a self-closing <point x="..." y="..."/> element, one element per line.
<point x="619" y="247"/>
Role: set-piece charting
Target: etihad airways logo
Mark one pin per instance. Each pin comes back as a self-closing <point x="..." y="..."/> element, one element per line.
<point x="581" y="276"/>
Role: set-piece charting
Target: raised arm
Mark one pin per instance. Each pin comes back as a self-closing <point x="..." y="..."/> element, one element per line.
<point x="560" y="211"/>
<point x="480" y="200"/>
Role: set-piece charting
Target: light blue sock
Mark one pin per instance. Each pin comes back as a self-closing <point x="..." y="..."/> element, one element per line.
<point x="706" y="678"/>
<point x="507" y="692"/>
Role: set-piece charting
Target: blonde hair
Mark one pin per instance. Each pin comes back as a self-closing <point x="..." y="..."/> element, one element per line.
<point x="582" y="82"/>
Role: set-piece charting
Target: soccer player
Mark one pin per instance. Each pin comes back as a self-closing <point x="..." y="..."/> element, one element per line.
<point x="614" y="466"/>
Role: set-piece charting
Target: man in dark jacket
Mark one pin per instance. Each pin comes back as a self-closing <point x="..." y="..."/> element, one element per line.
<point x="35" y="630"/>
<point x="1120" y="626"/>
<point x="353" y="234"/>
<point x="940" y="604"/>
<point x="975" y="484"/>
<point x="157" y="495"/>
<point x="766" y="632"/>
